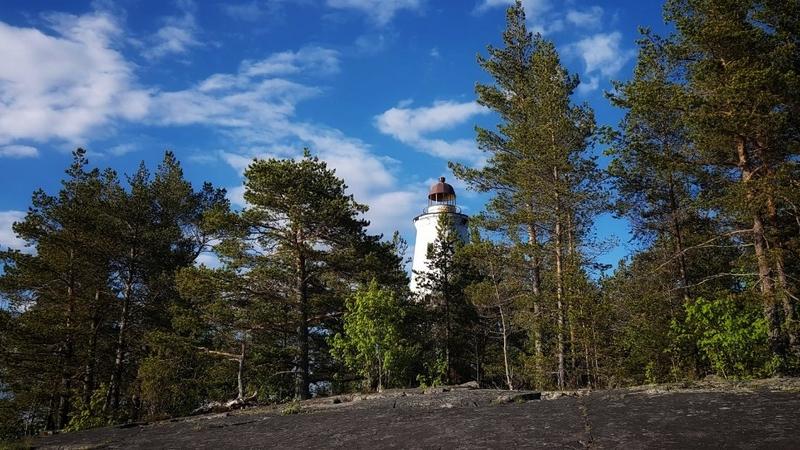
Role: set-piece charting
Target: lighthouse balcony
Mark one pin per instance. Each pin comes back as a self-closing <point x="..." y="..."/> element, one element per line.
<point x="441" y="208"/>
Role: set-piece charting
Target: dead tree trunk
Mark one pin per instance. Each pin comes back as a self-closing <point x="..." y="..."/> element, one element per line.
<point x="505" y="348"/>
<point x="239" y="373"/>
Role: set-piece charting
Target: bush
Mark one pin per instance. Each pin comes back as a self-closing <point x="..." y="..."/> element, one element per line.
<point x="730" y="333"/>
<point x="91" y="415"/>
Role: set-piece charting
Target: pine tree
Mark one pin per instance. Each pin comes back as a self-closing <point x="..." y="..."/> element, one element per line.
<point x="441" y="292"/>
<point x="301" y="216"/>
<point x="740" y="91"/>
<point x="57" y="290"/>
<point x="539" y="169"/>
<point x="100" y="277"/>
<point x="514" y="207"/>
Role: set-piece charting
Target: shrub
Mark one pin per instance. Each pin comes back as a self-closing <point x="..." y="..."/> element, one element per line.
<point x="731" y="334"/>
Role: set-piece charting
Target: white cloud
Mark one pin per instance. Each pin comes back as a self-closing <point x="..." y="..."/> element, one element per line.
<point x="394" y="210"/>
<point x="489" y="4"/>
<point x="546" y="27"/>
<point x="543" y="18"/>
<point x="8" y="239"/>
<point x="372" y="43"/>
<point x="312" y="60"/>
<point x="122" y="149"/>
<point x="589" y="84"/>
<point x="602" y="53"/>
<point x="176" y="36"/>
<point x="18" y="151"/>
<point x="380" y="12"/>
<point x="589" y="18"/>
<point x="234" y="106"/>
<point x="208" y="259"/>
<point x="461" y="149"/>
<point x="64" y="85"/>
<point x="240" y="161"/>
<point x="412" y="125"/>
<point x="540" y="15"/>
<point x="369" y="177"/>
<point x="68" y="84"/>
<point x="235" y="195"/>
<point x="366" y="174"/>
<point x="257" y="110"/>
<point x="406" y="123"/>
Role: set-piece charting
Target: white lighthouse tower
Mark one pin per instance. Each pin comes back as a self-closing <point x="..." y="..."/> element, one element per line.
<point x="441" y="200"/>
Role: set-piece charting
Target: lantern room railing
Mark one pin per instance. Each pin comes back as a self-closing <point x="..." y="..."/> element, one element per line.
<point x="434" y="207"/>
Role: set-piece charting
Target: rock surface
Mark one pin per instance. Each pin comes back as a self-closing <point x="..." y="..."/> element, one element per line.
<point x="711" y="415"/>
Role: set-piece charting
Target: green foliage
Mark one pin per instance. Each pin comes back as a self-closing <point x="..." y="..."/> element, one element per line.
<point x="99" y="280"/>
<point x="316" y="240"/>
<point x="372" y="343"/>
<point x="434" y="372"/>
<point x="110" y="319"/>
<point x="731" y="333"/>
<point x="291" y="409"/>
<point x="173" y="377"/>
<point x="90" y="415"/>
<point x="446" y="331"/>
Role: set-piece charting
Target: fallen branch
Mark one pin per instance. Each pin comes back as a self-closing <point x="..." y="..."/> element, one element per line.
<point x="230" y="405"/>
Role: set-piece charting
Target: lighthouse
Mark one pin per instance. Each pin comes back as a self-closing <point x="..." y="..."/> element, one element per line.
<point x="441" y="200"/>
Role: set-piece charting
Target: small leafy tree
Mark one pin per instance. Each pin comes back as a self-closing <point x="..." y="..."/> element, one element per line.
<point x="372" y="343"/>
<point x="731" y="333"/>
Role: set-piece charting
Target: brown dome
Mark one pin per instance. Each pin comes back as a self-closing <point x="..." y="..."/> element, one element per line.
<point x="441" y="192"/>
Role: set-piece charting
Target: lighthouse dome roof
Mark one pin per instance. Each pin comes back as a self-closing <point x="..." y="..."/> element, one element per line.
<point x="441" y="191"/>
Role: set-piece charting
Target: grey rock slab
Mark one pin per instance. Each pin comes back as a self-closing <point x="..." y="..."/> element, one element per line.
<point x="470" y="418"/>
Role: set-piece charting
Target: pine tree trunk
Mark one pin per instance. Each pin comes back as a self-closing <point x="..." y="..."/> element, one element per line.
<point x="91" y="358"/>
<point x="50" y="423"/>
<point x="67" y="354"/>
<point x="571" y="296"/>
<point x="536" y="281"/>
<point x="784" y="289"/>
<point x="771" y="312"/>
<point x="573" y="342"/>
<point x="587" y="360"/>
<point x="302" y="388"/>
<point x="557" y="234"/>
<point x="595" y="354"/>
<point x="677" y="231"/>
<point x="112" y="397"/>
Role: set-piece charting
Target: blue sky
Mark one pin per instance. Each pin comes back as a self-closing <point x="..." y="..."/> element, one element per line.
<point x="381" y="89"/>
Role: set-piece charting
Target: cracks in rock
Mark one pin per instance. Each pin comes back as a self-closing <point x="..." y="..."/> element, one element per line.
<point x="587" y="424"/>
